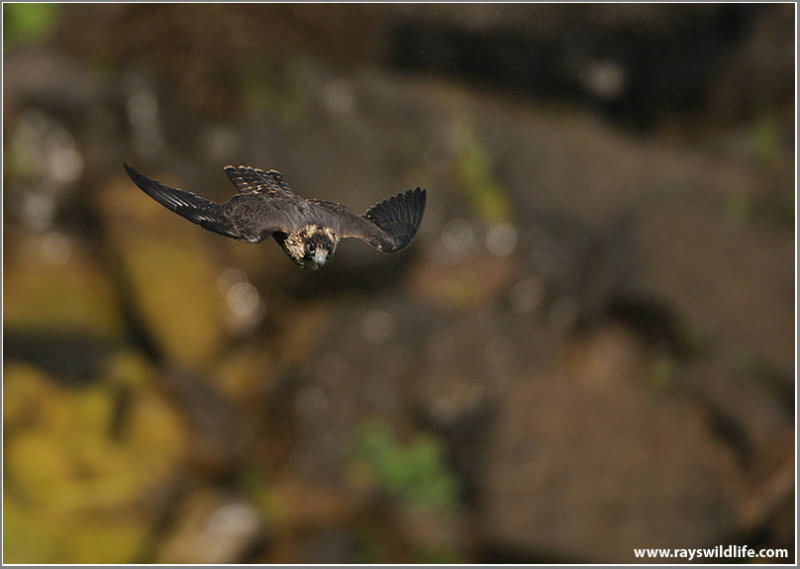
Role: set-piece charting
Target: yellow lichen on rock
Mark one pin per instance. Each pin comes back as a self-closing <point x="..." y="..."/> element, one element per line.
<point x="68" y="464"/>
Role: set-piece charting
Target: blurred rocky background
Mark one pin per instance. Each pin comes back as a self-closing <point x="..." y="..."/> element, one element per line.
<point x="588" y="348"/>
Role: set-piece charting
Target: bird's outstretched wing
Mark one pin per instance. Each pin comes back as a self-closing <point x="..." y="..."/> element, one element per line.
<point x="389" y="226"/>
<point x="191" y="206"/>
<point x="255" y="180"/>
<point x="247" y="216"/>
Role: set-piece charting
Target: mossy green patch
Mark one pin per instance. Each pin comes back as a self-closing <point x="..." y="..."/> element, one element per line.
<point x="27" y="22"/>
<point x="413" y="471"/>
<point x="475" y="174"/>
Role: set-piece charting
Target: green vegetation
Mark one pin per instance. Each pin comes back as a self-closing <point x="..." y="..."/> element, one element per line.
<point x="26" y="22"/>
<point x="475" y="173"/>
<point x="414" y="471"/>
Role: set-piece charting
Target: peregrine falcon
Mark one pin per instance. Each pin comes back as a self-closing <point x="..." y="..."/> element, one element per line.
<point x="308" y="230"/>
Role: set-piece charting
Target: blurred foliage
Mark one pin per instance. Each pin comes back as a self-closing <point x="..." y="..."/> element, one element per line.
<point x="63" y="465"/>
<point x="414" y="471"/>
<point x="766" y="136"/>
<point x="370" y="539"/>
<point x="475" y="172"/>
<point x="662" y="373"/>
<point x="24" y="22"/>
<point x="279" y="89"/>
<point x="255" y="81"/>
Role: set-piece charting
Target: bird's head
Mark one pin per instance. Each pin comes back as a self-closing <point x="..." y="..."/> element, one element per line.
<point x="310" y="247"/>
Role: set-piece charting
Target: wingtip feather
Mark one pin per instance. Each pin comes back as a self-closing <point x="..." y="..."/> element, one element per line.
<point x="400" y="214"/>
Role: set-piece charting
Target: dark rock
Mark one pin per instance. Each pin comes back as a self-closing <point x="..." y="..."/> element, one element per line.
<point x="587" y="462"/>
<point x="632" y="70"/>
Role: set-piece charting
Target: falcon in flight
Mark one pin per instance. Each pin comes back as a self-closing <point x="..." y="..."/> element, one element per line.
<point x="308" y="230"/>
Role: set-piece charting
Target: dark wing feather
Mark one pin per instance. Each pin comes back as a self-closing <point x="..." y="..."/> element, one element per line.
<point x="399" y="217"/>
<point x="191" y="206"/>
<point x="255" y="180"/>
<point x="389" y="226"/>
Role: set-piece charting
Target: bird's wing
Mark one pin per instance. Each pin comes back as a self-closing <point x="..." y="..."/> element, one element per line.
<point x="389" y="226"/>
<point x="255" y="180"/>
<point x="256" y="218"/>
<point x="198" y="210"/>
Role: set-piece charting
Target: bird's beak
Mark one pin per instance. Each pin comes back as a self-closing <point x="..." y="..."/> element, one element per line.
<point x="320" y="257"/>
